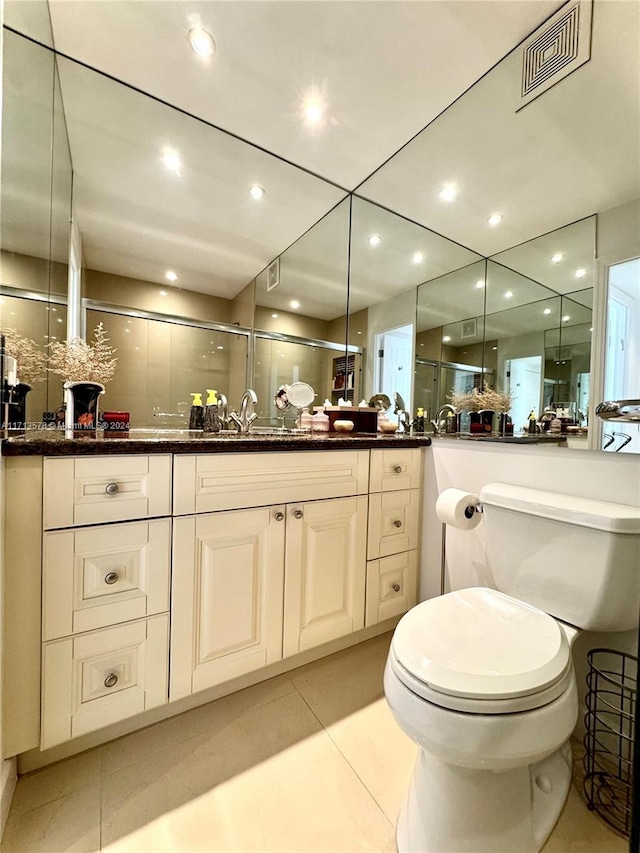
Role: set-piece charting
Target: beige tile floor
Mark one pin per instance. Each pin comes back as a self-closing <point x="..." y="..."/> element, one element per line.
<point x="309" y="761"/>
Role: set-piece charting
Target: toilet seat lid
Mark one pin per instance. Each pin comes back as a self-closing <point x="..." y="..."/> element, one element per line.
<point x="480" y="643"/>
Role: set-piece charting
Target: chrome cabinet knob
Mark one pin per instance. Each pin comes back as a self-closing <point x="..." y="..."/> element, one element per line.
<point x="111" y="578"/>
<point x="279" y="516"/>
<point x="397" y="469"/>
<point x="397" y="523"/>
<point x="111" y="680"/>
<point x="298" y="513"/>
<point x="395" y="587"/>
<point x="112" y="489"/>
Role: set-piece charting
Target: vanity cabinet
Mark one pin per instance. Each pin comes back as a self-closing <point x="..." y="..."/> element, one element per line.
<point x="285" y="573"/>
<point x="105" y="592"/>
<point x="393" y="533"/>
<point x="133" y="581"/>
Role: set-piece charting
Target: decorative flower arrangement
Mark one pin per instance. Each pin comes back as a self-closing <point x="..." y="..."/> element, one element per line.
<point x="76" y="360"/>
<point x="31" y="360"/>
<point x="481" y="399"/>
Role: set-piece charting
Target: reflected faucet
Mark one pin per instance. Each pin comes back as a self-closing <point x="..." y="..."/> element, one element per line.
<point x="247" y="415"/>
<point x="223" y="411"/>
<point x="436" y="423"/>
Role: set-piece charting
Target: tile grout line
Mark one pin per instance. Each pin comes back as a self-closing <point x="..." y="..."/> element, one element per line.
<point x="354" y="771"/>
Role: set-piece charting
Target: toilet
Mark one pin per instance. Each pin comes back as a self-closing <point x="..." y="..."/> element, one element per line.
<point x="483" y="680"/>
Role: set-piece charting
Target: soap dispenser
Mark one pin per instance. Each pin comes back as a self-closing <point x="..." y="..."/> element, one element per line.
<point x="211" y="417"/>
<point x="196" y="415"/>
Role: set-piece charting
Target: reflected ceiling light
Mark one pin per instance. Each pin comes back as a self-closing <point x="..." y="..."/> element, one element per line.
<point x="418" y="258"/>
<point x="580" y="273"/>
<point x="275" y="316"/>
<point x="359" y="333"/>
<point x="494" y="347"/>
<point x="446" y="339"/>
<point x="127" y="330"/>
<point x="566" y="318"/>
<point x="591" y="329"/>
<point x="201" y="41"/>
<point x="59" y="319"/>
<point x="495" y="219"/>
<point x="220" y="347"/>
<point x="170" y="275"/>
<point x="374" y="239"/>
<point x="163" y="293"/>
<point x="555" y="259"/>
<point x="256" y="191"/>
<point x="547" y="311"/>
<point x="508" y="294"/>
<point x="172" y="159"/>
<point x="448" y="192"/>
<point x="480" y="284"/>
<point x="294" y="304"/>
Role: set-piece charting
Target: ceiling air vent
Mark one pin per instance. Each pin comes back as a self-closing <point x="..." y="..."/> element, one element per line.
<point x="558" y="47"/>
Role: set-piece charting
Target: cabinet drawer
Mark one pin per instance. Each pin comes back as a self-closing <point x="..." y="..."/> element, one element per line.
<point x="392" y="470"/>
<point x="206" y="483"/>
<point x="107" y="488"/>
<point x="391" y="586"/>
<point x="393" y="523"/>
<point x="96" y="679"/>
<point x="99" y="576"/>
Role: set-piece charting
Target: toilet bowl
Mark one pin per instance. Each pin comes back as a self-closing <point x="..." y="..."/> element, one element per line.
<point x="483" y="681"/>
<point x="485" y="685"/>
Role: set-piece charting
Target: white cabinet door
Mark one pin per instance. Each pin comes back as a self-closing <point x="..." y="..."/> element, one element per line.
<point x="94" y="577"/>
<point x="227" y="596"/>
<point x="96" y="679"/>
<point x="325" y="568"/>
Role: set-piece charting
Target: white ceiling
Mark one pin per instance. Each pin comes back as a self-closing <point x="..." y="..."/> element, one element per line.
<point x="383" y="70"/>
<point x="386" y="69"/>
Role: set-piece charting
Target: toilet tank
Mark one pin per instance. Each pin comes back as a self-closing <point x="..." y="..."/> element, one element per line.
<point x="574" y="558"/>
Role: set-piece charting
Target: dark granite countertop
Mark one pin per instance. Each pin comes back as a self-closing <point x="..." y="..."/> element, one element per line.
<point x="45" y="443"/>
<point x="539" y="438"/>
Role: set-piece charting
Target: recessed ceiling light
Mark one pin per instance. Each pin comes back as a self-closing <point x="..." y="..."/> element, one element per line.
<point x="508" y="294"/>
<point x="480" y="284"/>
<point x="294" y="304"/>
<point x="448" y="192"/>
<point x="566" y="318"/>
<point x="201" y="41"/>
<point x="374" y="239"/>
<point x="312" y="109"/>
<point x="446" y="339"/>
<point x="555" y="259"/>
<point x="127" y="330"/>
<point x="580" y="273"/>
<point x="275" y="316"/>
<point x="256" y="191"/>
<point x="163" y="293"/>
<point x="171" y="159"/>
<point x="495" y="219"/>
<point x="170" y="275"/>
<point x="547" y="311"/>
<point x="418" y="258"/>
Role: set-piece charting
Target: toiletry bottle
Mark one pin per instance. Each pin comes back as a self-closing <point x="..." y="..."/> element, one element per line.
<point x="306" y="419"/>
<point x="533" y="427"/>
<point x="196" y="415"/>
<point x="419" y="421"/>
<point x="320" y="421"/>
<point x="211" y="417"/>
<point x="450" y="423"/>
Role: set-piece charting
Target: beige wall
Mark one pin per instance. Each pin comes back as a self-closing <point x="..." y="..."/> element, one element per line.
<point x="29" y="273"/>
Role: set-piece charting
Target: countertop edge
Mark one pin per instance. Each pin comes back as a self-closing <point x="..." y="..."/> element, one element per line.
<point x="122" y="446"/>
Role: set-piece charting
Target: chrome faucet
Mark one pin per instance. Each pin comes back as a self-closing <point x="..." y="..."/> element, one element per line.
<point x="436" y="423"/>
<point x="247" y="416"/>
<point x="223" y="411"/>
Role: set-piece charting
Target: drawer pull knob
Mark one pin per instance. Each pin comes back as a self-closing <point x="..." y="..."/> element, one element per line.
<point x="397" y="523"/>
<point x="298" y="513"/>
<point x="397" y="469"/>
<point x="112" y="489"/>
<point x="111" y="680"/>
<point x="395" y="587"/>
<point x="111" y="577"/>
<point x="279" y="516"/>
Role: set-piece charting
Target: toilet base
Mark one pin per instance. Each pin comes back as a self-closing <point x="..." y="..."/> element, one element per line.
<point x="461" y="810"/>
